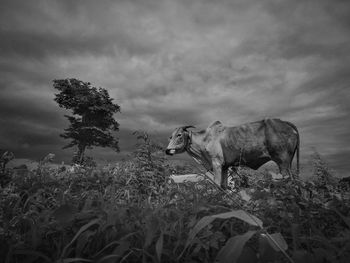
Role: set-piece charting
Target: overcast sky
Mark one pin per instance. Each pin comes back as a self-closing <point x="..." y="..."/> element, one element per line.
<point x="175" y="62"/>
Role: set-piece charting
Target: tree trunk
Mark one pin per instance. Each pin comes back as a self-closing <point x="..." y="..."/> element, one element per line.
<point x="82" y="146"/>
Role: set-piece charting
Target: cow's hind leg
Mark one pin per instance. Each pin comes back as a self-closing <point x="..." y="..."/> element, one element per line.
<point x="217" y="170"/>
<point x="284" y="165"/>
<point x="285" y="171"/>
<point x="224" y="178"/>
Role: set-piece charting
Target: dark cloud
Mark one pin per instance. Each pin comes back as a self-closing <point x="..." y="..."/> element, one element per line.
<point x="336" y="162"/>
<point x="175" y="117"/>
<point x="14" y="109"/>
<point x="28" y="139"/>
<point x="63" y="28"/>
<point x="302" y="29"/>
<point x="29" y="45"/>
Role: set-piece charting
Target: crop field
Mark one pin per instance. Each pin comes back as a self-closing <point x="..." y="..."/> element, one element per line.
<point x="134" y="212"/>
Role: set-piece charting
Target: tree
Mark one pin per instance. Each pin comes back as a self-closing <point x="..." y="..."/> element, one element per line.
<point x="92" y="122"/>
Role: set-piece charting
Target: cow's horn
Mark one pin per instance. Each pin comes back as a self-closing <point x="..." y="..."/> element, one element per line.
<point x="187" y="127"/>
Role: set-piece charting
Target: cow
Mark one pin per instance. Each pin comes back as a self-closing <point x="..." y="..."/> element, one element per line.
<point x="252" y="144"/>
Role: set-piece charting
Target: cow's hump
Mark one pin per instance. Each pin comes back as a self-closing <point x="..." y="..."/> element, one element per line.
<point x="215" y="129"/>
<point x="215" y="124"/>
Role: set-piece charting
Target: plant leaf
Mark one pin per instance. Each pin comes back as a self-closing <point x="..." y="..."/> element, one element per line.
<point x="159" y="246"/>
<point x="122" y="248"/>
<point x="301" y="256"/>
<point x="82" y="242"/>
<point x="203" y="222"/>
<point x="110" y="257"/>
<point x="69" y="260"/>
<point x="248" y="255"/>
<point x="345" y="219"/>
<point x="278" y="238"/>
<point x="105" y="247"/>
<point x="81" y="230"/>
<point x="240" y="214"/>
<point x="266" y="252"/>
<point x="152" y="226"/>
<point x="117" y="253"/>
<point x="64" y="213"/>
<point x="32" y="253"/>
<point x="243" y="215"/>
<point x="233" y="248"/>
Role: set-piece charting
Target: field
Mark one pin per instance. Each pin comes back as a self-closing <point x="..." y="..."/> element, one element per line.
<point x="133" y="212"/>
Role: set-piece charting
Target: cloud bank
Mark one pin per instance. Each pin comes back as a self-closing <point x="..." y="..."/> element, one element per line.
<point x="170" y="63"/>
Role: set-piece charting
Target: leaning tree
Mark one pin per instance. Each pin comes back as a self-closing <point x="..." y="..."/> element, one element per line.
<point x="92" y="122"/>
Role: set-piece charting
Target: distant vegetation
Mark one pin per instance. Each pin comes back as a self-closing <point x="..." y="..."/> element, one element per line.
<point x="132" y="212"/>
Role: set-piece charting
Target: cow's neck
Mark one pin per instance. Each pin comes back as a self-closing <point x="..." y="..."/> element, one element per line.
<point x="196" y="149"/>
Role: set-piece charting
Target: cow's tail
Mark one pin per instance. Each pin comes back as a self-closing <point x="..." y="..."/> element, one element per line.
<point x="297" y="148"/>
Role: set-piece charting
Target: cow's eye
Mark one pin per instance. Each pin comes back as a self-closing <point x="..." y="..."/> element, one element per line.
<point x="179" y="135"/>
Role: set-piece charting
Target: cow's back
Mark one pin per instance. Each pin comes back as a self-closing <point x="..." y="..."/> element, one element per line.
<point x="245" y="145"/>
<point x="247" y="136"/>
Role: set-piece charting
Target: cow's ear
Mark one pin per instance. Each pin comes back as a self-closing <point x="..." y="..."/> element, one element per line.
<point x="187" y="127"/>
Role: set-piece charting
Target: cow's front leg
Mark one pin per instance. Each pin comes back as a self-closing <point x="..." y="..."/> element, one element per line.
<point x="217" y="174"/>
<point x="217" y="169"/>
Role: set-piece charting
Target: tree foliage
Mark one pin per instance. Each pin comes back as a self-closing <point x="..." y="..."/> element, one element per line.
<point x="92" y="122"/>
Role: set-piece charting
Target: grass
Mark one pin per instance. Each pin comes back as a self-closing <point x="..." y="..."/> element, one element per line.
<point x="132" y="212"/>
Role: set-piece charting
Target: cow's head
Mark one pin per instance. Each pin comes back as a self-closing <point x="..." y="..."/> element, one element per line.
<point x="178" y="140"/>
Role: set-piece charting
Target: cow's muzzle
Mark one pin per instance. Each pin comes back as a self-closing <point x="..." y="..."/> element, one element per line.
<point x="170" y="151"/>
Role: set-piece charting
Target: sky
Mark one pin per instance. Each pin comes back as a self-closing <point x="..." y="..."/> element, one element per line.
<point x="178" y="62"/>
